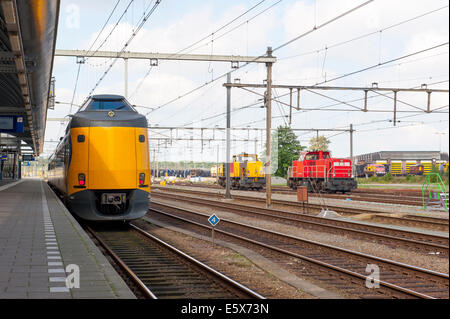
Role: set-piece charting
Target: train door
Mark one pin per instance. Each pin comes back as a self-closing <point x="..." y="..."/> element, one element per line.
<point x="310" y="165"/>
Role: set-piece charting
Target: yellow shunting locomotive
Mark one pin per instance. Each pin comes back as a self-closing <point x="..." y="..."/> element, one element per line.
<point x="246" y="172"/>
<point x="102" y="166"/>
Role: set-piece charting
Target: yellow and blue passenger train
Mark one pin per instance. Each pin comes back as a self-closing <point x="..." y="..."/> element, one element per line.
<point x="102" y="166"/>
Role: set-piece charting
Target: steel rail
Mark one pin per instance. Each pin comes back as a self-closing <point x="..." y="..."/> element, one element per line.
<point x="392" y="263"/>
<point x="433" y="222"/>
<point x="374" y="230"/>
<point x="198" y="263"/>
<point x="144" y="289"/>
<point x="218" y="276"/>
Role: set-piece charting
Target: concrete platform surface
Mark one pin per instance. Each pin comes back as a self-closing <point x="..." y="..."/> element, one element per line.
<point x="4" y="182"/>
<point x="42" y="247"/>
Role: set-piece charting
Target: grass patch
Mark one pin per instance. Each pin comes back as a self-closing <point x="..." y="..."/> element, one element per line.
<point x="238" y="260"/>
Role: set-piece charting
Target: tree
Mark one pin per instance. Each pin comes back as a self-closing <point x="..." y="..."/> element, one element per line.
<point x="319" y="143"/>
<point x="287" y="149"/>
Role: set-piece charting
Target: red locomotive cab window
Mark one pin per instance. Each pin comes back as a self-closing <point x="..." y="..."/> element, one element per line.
<point x="312" y="157"/>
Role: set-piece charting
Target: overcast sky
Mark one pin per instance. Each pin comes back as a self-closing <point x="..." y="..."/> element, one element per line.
<point x="318" y="57"/>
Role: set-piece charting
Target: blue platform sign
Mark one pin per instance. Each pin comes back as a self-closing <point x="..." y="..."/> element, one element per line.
<point x="27" y="158"/>
<point x="214" y="220"/>
<point x="11" y="124"/>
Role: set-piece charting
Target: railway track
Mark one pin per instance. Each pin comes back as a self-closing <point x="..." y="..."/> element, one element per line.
<point x="375" y="196"/>
<point x="408" y="220"/>
<point x="399" y="199"/>
<point x="159" y="270"/>
<point x="330" y="265"/>
<point x="392" y="237"/>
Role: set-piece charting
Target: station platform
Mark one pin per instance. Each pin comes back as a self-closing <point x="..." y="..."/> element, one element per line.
<point x="41" y="245"/>
<point x="4" y="182"/>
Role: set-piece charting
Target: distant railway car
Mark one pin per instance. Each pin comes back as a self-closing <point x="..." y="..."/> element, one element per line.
<point x="375" y="170"/>
<point x="417" y="169"/>
<point x="321" y="173"/>
<point x="200" y="172"/>
<point x="246" y="172"/>
<point x="101" y="166"/>
<point x="359" y="170"/>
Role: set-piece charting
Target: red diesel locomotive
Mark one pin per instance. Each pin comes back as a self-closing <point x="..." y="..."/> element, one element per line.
<point x="321" y="173"/>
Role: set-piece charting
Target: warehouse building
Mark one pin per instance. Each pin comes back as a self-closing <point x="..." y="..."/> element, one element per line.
<point x="399" y="162"/>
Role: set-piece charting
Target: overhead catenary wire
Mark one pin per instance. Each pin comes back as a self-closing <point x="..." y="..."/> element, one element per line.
<point x="383" y="63"/>
<point x="236" y="27"/>
<point x="328" y="47"/>
<point x="206" y="37"/>
<point x="140" y="25"/>
<point x="75" y="88"/>
<point x="112" y="30"/>
<point x="104" y="26"/>
<point x="178" y="53"/>
<point x="380" y="64"/>
<point x="256" y="58"/>
<point x="334" y="104"/>
<point x="79" y="64"/>
<point x="315" y="28"/>
<point x="142" y="82"/>
<point x="220" y="28"/>
<point x="360" y="99"/>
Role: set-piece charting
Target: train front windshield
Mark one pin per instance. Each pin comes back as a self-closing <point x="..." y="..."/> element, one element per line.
<point x="249" y="158"/>
<point x="108" y="105"/>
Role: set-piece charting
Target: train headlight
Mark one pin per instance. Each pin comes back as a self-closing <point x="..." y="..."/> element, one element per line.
<point x="81" y="179"/>
<point x="141" y="179"/>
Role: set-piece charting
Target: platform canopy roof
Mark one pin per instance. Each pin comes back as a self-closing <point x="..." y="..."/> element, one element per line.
<point x="27" y="45"/>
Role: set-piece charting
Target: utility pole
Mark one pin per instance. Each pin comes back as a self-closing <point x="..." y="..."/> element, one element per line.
<point x="217" y="166"/>
<point x="126" y="77"/>
<point x="268" y="131"/>
<point x="227" y="162"/>
<point x="290" y="107"/>
<point x="351" y="148"/>
<point x="395" y="108"/>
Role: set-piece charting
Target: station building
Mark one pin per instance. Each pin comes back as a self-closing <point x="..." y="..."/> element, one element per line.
<point x="399" y="162"/>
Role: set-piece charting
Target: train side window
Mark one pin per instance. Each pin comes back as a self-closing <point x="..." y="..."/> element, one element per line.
<point x="80" y="138"/>
<point x="141" y="138"/>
